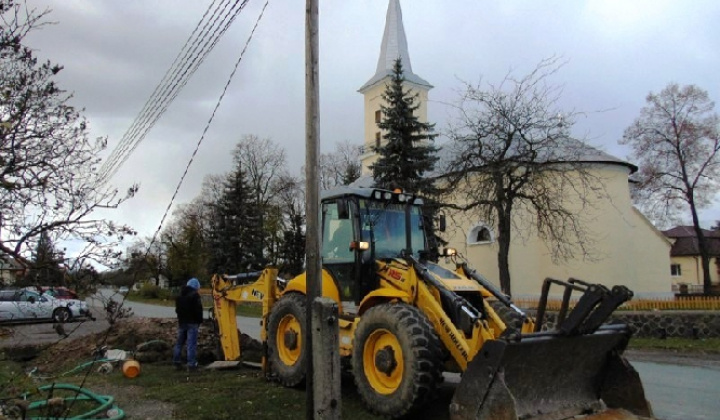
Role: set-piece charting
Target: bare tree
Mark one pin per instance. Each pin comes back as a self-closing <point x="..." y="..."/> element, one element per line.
<point x="340" y="167"/>
<point x="263" y="162"/>
<point x="47" y="160"/>
<point x="676" y="140"/>
<point x="513" y="164"/>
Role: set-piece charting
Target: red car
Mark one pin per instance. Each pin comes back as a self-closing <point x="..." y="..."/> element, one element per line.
<point x="59" y="292"/>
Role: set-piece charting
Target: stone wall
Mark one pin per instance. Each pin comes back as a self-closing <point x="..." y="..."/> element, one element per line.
<point x="660" y="324"/>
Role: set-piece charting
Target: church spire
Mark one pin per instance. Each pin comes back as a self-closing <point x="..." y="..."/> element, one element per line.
<point x="394" y="45"/>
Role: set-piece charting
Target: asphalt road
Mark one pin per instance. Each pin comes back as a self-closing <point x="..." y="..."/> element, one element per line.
<point x="249" y="326"/>
<point x="681" y="392"/>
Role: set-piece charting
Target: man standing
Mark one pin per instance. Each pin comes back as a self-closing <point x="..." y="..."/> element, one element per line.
<point x="188" y="308"/>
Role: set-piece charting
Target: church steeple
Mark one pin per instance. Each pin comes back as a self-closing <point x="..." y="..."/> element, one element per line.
<point x="394" y="45"/>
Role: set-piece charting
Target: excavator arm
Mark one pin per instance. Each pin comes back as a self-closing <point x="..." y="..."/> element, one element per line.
<point x="228" y="291"/>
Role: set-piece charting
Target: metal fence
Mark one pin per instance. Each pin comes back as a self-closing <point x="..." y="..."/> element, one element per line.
<point x="680" y="303"/>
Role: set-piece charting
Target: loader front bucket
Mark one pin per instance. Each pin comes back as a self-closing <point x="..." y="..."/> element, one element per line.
<point x="551" y="377"/>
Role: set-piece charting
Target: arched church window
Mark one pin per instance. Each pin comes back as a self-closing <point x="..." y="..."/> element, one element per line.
<point x="480" y="234"/>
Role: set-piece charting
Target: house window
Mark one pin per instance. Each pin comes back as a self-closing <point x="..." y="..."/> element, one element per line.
<point x="377" y="140"/>
<point x="675" y="270"/>
<point x="480" y="234"/>
<point x="378" y="116"/>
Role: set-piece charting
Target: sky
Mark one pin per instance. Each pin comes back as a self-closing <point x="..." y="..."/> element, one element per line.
<point x="115" y="53"/>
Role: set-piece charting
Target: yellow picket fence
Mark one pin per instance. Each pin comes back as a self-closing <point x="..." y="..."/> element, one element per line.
<point x="706" y="303"/>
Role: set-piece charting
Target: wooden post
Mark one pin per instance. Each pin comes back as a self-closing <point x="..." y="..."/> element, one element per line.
<point x="312" y="188"/>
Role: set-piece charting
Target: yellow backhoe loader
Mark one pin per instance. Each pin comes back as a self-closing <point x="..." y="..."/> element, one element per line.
<point x="405" y="320"/>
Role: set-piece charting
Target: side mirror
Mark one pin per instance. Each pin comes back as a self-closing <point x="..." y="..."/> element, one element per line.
<point x="343" y="212"/>
<point x="441" y="223"/>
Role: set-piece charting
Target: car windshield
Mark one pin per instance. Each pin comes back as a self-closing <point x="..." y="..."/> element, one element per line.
<point x="386" y="222"/>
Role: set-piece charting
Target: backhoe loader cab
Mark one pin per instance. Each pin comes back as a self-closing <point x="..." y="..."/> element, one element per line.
<point x="405" y="320"/>
<point x="362" y="226"/>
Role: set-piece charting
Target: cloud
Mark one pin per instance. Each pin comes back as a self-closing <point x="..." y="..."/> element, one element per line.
<point x="115" y="53"/>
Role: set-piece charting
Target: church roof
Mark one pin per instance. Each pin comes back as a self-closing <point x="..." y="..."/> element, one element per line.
<point x="570" y="150"/>
<point x="567" y="149"/>
<point x="394" y="45"/>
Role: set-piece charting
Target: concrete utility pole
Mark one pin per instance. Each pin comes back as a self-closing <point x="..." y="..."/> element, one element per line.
<point x="321" y="340"/>
<point x="312" y="189"/>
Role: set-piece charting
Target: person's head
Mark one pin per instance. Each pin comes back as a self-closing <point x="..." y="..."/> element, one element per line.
<point x="193" y="283"/>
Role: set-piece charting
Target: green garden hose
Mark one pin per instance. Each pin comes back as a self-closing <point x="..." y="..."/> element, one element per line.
<point x="105" y="403"/>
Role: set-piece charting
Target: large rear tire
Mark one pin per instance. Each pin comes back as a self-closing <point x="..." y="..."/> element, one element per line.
<point x="396" y="359"/>
<point x="286" y="332"/>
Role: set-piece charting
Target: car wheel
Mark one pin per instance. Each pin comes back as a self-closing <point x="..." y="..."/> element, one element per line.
<point x="61" y="315"/>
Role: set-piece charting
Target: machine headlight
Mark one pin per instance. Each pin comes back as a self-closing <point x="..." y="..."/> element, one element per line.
<point x="449" y="252"/>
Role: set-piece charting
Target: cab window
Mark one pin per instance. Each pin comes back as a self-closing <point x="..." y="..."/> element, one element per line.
<point x="337" y="235"/>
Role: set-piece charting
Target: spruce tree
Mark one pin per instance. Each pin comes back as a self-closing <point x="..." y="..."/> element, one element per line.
<point x="407" y="154"/>
<point x="46" y="261"/>
<point x="236" y="228"/>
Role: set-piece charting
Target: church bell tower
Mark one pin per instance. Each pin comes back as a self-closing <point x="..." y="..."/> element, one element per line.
<point x="394" y="45"/>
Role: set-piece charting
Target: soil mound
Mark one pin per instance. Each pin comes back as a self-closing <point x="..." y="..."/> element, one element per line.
<point x="149" y="340"/>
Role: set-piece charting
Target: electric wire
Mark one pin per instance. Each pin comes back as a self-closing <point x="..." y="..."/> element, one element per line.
<point x="190" y="62"/>
<point x="182" y="84"/>
<point x="168" y="80"/>
<point x="167" y="77"/>
<point x="164" y="82"/>
<point x="191" y="160"/>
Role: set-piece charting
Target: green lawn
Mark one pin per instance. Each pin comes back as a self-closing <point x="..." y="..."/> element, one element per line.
<point x="243" y="309"/>
<point x="245" y="392"/>
<point x="227" y="394"/>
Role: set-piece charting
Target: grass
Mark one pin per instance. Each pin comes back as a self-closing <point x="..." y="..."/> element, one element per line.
<point x="228" y="394"/>
<point x="245" y="392"/>
<point x="137" y="297"/>
<point x="13" y="380"/>
<point x="680" y="345"/>
<point x="243" y="309"/>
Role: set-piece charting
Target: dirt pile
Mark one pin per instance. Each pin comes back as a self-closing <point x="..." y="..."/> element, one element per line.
<point x="149" y="340"/>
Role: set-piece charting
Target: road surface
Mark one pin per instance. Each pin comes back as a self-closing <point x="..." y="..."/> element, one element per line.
<point x="678" y="392"/>
<point x="247" y="325"/>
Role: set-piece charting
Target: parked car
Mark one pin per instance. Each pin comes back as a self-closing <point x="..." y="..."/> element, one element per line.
<point x="124" y="290"/>
<point x="59" y="292"/>
<point x="27" y="305"/>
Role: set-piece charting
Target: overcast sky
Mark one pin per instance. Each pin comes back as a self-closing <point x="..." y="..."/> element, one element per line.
<point x="116" y="51"/>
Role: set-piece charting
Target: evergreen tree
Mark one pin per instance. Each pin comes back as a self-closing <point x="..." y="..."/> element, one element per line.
<point x="292" y="249"/>
<point x="407" y="153"/>
<point x="46" y="264"/>
<point x="236" y="231"/>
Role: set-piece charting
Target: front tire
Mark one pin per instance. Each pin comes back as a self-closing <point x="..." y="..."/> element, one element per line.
<point x="286" y="332"/>
<point x="61" y="315"/>
<point x="396" y="359"/>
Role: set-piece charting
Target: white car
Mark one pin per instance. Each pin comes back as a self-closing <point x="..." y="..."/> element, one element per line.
<point x="26" y="305"/>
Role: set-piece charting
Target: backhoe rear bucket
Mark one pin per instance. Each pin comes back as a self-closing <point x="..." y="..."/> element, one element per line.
<point x="552" y="377"/>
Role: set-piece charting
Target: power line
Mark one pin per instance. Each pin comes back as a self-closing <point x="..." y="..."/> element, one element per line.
<point x="187" y="167"/>
<point x="150" y="103"/>
<point x="187" y="62"/>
